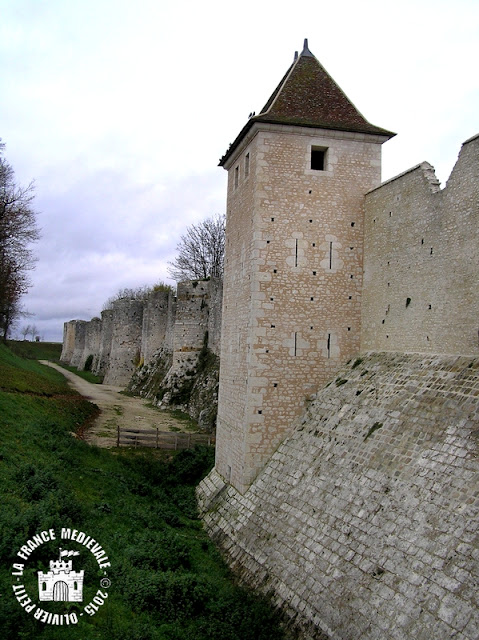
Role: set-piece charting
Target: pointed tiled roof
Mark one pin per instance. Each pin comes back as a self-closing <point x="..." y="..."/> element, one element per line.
<point x="307" y="96"/>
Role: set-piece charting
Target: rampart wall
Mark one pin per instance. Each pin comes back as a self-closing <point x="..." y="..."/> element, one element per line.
<point x="421" y="261"/>
<point x="79" y="333"/>
<point x="133" y="331"/>
<point x="125" y="342"/>
<point x="105" y="342"/>
<point x="363" y="523"/>
<point x="158" y="321"/>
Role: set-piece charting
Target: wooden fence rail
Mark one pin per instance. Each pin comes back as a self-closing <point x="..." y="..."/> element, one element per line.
<point x="161" y="439"/>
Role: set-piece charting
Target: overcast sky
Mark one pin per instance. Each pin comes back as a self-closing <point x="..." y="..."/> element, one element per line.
<point x="120" y="110"/>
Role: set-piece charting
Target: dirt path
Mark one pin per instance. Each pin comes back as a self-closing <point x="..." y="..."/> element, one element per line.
<point x="117" y="409"/>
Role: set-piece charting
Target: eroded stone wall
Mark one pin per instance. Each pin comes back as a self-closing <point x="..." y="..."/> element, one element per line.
<point x="103" y="359"/>
<point x="363" y="524"/>
<point x="158" y="321"/>
<point x="159" y="329"/>
<point x="68" y="346"/>
<point x="79" y="343"/>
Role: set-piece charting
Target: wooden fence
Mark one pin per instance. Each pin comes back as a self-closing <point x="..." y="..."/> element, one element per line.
<point x="161" y="439"/>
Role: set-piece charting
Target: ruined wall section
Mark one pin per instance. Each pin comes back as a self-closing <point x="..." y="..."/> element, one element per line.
<point x="363" y="524"/>
<point x="126" y="341"/>
<point x="68" y="341"/>
<point x="421" y="261"/>
<point x="103" y="359"/>
<point x="79" y="346"/>
<point x="152" y="332"/>
<point x="158" y="320"/>
<point x="92" y="343"/>
<point x="191" y="323"/>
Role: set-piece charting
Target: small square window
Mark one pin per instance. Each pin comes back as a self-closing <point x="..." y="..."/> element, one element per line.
<point x="318" y="158"/>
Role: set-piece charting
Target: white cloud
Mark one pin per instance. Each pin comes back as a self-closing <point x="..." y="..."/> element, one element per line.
<point x="121" y="110"/>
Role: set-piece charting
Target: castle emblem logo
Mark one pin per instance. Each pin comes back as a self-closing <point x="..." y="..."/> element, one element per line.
<point x="63" y="582"/>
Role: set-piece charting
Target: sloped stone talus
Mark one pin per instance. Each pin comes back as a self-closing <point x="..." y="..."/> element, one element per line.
<point x="364" y="522"/>
<point x="421" y="262"/>
<point x="125" y="342"/>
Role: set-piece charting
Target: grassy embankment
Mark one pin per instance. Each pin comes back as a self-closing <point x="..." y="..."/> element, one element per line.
<point x="168" y="581"/>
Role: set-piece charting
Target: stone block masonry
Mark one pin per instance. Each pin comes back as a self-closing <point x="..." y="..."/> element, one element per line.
<point x="133" y="332"/>
<point x="293" y="278"/>
<point x="363" y="524"/>
<point x="125" y="342"/>
<point x="421" y="261"/>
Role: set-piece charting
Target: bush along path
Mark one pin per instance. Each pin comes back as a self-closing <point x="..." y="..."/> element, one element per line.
<point x="150" y="571"/>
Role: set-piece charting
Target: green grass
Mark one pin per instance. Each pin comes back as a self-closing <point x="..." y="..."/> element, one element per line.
<point x="86" y="375"/>
<point x="36" y="350"/>
<point x="168" y="580"/>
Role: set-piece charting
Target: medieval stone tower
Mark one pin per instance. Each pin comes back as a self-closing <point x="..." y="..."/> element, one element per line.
<point x="297" y="177"/>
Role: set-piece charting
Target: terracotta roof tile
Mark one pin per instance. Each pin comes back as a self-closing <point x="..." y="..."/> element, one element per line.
<point x="307" y="96"/>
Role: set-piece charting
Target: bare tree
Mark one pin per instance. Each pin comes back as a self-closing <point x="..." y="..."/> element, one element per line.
<point x="25" y="330"/>
<point x="200" y="251"/>
<point x="17" y="231"/>
<point x="33" y="331"/>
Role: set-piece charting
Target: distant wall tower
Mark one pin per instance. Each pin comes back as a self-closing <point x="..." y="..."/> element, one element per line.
<point x="297" y="176"/>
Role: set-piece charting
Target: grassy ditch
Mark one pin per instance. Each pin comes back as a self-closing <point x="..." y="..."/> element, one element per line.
<point x="167" y="580"/>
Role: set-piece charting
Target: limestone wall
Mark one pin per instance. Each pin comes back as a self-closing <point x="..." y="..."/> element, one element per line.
<point x="191" y="321"/>
<point x="363" y="524"/>
<point x="134" y="332"/>
<point x="92" y="342"/>
<point x="125" y="342"/>
<point x="215" y="304"/>
<point x="293" y="278"/>
<point x="79" y="346"/>
<point x="68" y="341"/>
<point x="103" y="359"/>
<point x="158" y="320"/>
<point x="421" y="261"/>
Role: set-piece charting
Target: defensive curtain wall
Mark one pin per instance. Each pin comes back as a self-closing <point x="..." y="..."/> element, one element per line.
<point x="131" y="334"/>
<point x="360" y="518"/>
<point x="363" y="523"/>
<point x="421" y="261"/>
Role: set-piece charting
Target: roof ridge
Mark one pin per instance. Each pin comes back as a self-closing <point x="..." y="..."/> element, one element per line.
<point x="308" y="96"/>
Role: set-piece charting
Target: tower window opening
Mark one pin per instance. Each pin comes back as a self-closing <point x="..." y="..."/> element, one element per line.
<point x="330" y="255"/>
<point x="246" y="165"/>
<point x="318" y="158"/>
<point x="296" y="254"/>
<point x="236" y="177"/>
<point x="295" y="343"/>
<point x="329" y="345"/>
